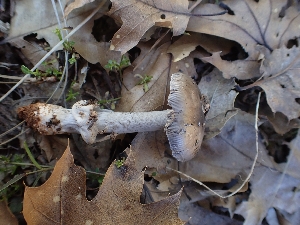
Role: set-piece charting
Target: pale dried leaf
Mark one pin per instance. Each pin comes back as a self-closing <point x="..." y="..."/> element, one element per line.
<point x="148" y="150"/>
<point x="221" y="96"/>
<point x="35" y="17"/>
<point x="33" y="52"/>
<point x="241" y="69"/>
<point x="252" y="23"/>
<point x="61" y="199"/>
<point x="196" y="215"/>
<point x="272" y="188"/>
<point x="294" y="158"/>
<point x="76" y="4"/>
<point x="269" y="190"/>
<point x="39" y="17"/>
<point x="89" y="48"/>
<point x="279" y="121"/>
<point x="7" y="218"/>
<point x="281" y="80"/>
<point x="187" y="43"/>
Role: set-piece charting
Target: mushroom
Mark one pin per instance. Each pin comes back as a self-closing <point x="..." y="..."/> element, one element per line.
<point x="183" y="124"/>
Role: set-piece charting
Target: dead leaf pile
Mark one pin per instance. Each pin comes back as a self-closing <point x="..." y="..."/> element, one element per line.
<point x="117" y="202"/>
<point x="233" y="50"/>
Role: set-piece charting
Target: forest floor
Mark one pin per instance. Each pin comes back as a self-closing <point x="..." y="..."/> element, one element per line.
<point x="121" y="56"/>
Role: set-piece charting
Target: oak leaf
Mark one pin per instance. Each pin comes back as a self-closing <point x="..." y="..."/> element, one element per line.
<point x="250" y="23"/>
<point x="281" y="80"/>
<point x="221" y="95"/>
<point x="140" y="15"/>
<point x="61" y="199"/>
<point x="35" y="17"/>
<point x="257" y="25"/>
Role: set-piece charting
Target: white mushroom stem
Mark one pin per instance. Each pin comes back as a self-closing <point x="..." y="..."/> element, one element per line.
<point x="126" y="122"/>
<point x="89" y="120"/>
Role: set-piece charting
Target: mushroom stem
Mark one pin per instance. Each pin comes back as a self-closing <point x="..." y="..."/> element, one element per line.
<point x="88" y="119"/>
<point x="126" y="122"/>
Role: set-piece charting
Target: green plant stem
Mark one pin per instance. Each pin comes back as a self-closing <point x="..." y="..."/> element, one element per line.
<point x="92" y="172"/>
<point x="24" y="164"/>
<point x="31" y="156"/>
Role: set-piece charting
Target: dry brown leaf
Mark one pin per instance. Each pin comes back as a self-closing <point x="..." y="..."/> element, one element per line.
<point x="282" y="81"/>
<point x="61" y="199"/>
<point x="138" y="16"/>
<point x="279" y="121"/>
<point x="155" y="64"/>
<point x="266" y="25"/>
<point x="34" y="17"/>
<point x="181" y="48"/>
<point x="38" y="17"/>
<point x="88" y="47"/>
<point x="241" y="69"/>
<point x="250" y="23"/>
<point x="148" y="150"/>
<point x="76" y="4"/>
<point x="269" y="190"/>
<point x="197" y="215"/>
<point x="6" y="216"/>
<point x="221" y="96"/>
<point x="294" y="158"/>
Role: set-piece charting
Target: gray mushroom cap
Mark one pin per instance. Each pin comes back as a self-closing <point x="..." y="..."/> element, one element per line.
<point x="185" y="123"/>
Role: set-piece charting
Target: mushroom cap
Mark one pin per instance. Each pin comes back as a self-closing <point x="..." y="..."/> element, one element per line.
<point x="185" y="123"/>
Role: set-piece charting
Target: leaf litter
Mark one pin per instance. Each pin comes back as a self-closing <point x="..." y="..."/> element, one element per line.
<point x="64" y="193"/>
<point x="254" y="44"/>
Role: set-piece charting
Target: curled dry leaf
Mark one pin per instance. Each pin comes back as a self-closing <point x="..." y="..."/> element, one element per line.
<point x="76" y="4"/>
<point x="282" y="81"/>
<point x="269" y="190"/>
<point x="181" y="48"/>
<point x="61" y="199"/>
<point x="221" y="96"/>
<point x="173" y="14"/>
